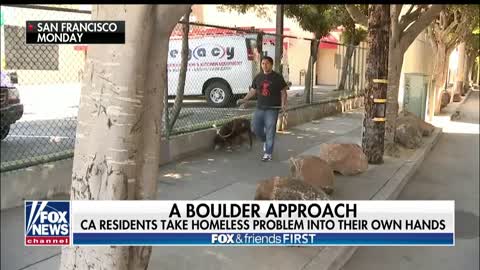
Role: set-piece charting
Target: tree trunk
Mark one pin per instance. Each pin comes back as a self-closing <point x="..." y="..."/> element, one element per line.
<point x="309" y="76"/>
<point x="119" y="123"/>
<point x="308" y="82"/>
<point x="439" y="75"/>
<point x="471" y="68"/>
<point x="260" y="51"/>
<point x="279" y="40"/>
<point x="400" y="39"/>
<point x="460" y="71"/>
<point x="395" y="62"/>
<point x="377" y="69"/>
<point x="345" y="65"/>
<point x="177" y="105"/>
<point x="478" y="73"/>
<point x="467" y="72"/>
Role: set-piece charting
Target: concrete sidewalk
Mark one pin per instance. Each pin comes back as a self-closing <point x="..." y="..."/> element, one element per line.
<point x="233" y="175"/>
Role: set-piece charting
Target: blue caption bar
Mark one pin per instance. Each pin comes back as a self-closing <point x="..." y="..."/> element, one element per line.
<point x="264" y="239"/>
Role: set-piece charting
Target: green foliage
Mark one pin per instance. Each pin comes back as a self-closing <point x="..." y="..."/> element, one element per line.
<point x="467" y="18"/>
<point x="472" y="39"/>
<point x="318" y="19"/>
<point x="261" y="11"/>
<point x="358" y="36"/>
<point x="456" y="23"/>
<point x="472" y="44"/>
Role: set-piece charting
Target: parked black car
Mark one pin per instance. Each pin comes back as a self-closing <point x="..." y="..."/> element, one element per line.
<point x="11" y="109"/>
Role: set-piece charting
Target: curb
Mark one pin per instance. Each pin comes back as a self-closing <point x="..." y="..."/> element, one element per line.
<point x="334" y="258"/>
<point x="395" y="185"/>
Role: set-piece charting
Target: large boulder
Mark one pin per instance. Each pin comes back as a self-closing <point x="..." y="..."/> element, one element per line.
<point x="407" y="117"/>
<point x="408" y="135"/>
<point x="286" y="188"/>
<point x="457" y="97"/>
<point x="445" y="99"/>
<point x="314" y="171"/>
<point x="346" y="159"/>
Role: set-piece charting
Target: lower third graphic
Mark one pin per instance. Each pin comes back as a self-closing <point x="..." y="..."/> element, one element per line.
<point x="47" y="223"/>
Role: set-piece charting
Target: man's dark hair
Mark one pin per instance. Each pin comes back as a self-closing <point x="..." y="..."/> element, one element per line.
<point x="268" y="58"/>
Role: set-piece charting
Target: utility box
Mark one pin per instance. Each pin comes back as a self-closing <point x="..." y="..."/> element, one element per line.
<point x="415" y="93"/>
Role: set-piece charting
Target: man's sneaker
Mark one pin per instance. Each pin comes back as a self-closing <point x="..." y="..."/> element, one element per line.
<point x="266" y="157"/>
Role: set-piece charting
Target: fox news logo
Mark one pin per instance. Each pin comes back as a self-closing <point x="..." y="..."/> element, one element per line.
<point x="47" y="223"/>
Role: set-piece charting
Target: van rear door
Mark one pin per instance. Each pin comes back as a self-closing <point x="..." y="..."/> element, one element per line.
<point x="253" y="55"/>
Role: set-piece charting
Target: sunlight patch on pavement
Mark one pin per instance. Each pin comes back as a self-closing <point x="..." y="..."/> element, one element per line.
<point x="456" y="126"/>
<point x="173" y="175"/>
<point x="461" y="127"/>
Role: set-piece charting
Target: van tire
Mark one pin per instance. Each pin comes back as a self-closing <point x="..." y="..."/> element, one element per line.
<point x="218" y="94"/>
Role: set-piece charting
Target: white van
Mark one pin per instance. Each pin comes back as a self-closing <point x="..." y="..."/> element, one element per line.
<point x="220" y="67"/>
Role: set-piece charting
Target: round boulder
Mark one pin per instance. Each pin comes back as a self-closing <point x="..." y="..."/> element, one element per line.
<point x="408" y="135"/>
<point x="407" y="117"/>
<point x="285" y="188"/>
<point x="457" y="97"/>
<point x="314" y="171"/>
<point x="346" y="159"/>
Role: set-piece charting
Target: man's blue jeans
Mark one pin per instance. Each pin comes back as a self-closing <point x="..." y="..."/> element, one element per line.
<point x="265" y="127"/>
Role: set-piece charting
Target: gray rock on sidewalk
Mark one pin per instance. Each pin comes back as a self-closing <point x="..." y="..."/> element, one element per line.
<point x="457" y="97"/>
<point x="346" y="159"/>
<point x="285" y="188"/>
<point x="407" y="117"/>
<point x="445" y="99"/>
<point x="411" y="129"/>
<point x="313" y="171"/>
<point x="408" y="135"/>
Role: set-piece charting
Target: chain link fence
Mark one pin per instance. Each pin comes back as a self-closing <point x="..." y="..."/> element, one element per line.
<point x="39" y="106"/>
<point x="222" y="62"/>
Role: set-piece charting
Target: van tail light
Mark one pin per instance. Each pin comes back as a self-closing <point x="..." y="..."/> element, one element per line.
<point x="250" y="54"/>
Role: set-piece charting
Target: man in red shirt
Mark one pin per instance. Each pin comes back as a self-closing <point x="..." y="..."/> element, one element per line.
<point x="271" y="91"/>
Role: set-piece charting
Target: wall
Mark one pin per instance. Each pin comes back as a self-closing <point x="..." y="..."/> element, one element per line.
<point x="298" y="54"/>
<point x="418" y="59"/>
<point x="325" y="67"/>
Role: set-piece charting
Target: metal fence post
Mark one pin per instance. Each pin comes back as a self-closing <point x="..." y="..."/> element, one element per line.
<point x="165" y="105"/>
<point x="312" y="80"/>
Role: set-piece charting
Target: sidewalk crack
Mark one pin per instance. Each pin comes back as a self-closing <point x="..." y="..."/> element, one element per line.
<point x="32" y="264"/>
<point x="213" y="191"/>
<point x="311" y="259"/>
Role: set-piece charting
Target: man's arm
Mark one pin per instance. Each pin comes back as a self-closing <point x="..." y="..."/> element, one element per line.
<point x="250" y="94"/>
<point x="252" y="91"/>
